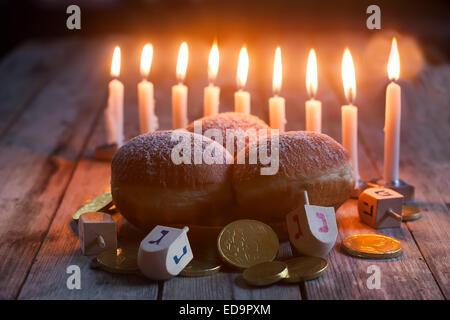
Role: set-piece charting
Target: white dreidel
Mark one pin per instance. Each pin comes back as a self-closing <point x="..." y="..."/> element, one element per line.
<point x="312" y="229"/>
<point x="381" y="208"/>
<point x="164" y="252"/>
<point x="97" y="233"/>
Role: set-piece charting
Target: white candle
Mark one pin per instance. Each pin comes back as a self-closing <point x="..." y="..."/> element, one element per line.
<point x="211" y="94"/>
<point x="392" y="119"/>
<point x="180" y="91"/>
<point x="241" y="97"/>
<point x="313" y="107"/>
<point x="277" y="114"/>
<point x="350" y="135"/>
<point x="148" y="122"/>
<point x="350" y="113"/>
<point x="114" y="109"/>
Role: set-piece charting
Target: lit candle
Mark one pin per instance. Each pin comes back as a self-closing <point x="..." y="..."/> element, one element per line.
<point x="114" y="109"/>
<point x="180" y="91"/>
<point x="276" y="104"/>
<point x="241" y="97"/>
<point x="147" y="119"/>
<point x="211" y="93"/>
<point x="350" y="113"/>
<point x="313" y="107"/>
<point x="392" y="119"/>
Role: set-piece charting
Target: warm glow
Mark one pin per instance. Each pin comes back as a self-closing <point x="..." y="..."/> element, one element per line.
<point x="115" y="65"/>
<point x="183" y="56"/>
<point x="311" y="73"/>
<point x="213" y="63"/>
<point x="348" y="76"/>
<point x="242" y="68"/>
<point x="146" y="60"/>
<point x="394" y="62"/>
<point x="277" y="72"/>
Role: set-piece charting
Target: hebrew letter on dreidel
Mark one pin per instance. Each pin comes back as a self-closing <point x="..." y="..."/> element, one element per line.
<point x="97" y="233"/>
<point x="318" y="231"/>
<point x="164" y="252"/>
<point x="177" y="259"/>
<point x="380" y="208"/>
<point x="163" y="234"/>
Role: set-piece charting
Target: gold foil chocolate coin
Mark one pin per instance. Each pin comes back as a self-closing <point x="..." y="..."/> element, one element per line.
<point x="266" y="273"/>
<point x="305" y="269"/>
<point x="244" y="243"/>
<point x="119" y="261"/>
<point x="102" y="201"/>
<point x="372" y="246"/>
<point x="201" y="267"/>
<point x="410" y="213"/>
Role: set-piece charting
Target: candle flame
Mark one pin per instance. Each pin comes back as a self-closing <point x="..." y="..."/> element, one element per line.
<point x="242" y="71"/>
<point x="393" y="66"/>
<point x="311" y="73"/>
<point x="277" y="72"/>
<point x="146" y="60"/>
<point x="115" y="65"/>
<point x="348" y="76"/>
<point x="183" y="56"/>
<point x="213" y="63"/>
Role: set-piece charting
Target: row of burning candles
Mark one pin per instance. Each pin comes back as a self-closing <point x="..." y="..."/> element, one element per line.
<point x="149" y="121"/>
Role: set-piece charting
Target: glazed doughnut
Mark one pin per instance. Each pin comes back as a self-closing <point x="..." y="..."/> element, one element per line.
<point x="149" y="188"/>
<point x="245" y="125"/>
<point x="307" y="160"/>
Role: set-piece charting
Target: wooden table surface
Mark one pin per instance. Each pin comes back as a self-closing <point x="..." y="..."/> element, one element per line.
<point x="52" y="98"/>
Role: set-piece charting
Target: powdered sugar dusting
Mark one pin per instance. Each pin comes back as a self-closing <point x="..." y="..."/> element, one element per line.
<point x="301" y="154"/>
<point x="147" y="158"/>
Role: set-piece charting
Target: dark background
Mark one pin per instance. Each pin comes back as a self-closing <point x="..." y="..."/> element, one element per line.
<point x="428" y="21"/>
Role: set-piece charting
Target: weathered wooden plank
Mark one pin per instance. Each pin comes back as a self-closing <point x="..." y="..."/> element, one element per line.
<point x="227" y="285"/>
<point x="407" y="277"/>
<point x="39" y="154"/>
<point x="47" y="277"/>
<point x="424" y="162"/>
<point x="24" y="72"/>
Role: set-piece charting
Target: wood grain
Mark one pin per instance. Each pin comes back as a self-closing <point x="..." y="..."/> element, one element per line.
<point x="424" y="163"/>
<point x="24" y="72"/>
<point x="407" y="271"/>
<point x="39" y="154"/>
<point x="47" y="277"/>
<point x="46" y="180"/>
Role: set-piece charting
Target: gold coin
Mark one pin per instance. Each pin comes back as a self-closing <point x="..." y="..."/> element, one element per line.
<point x="201" y="267"/>
<point x="305" y="269"/>
<point x="265" y="273"/>
<point x="244" y="243"/>
<point x="410" y="213"/>
<point x="372" y="246"/>
<point x="102" y="201"/>
<point x="119" y="260"/>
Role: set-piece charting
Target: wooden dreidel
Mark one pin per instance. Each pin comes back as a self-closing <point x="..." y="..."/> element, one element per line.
<point x="380" y="208"/>
<point x="312" y="229"/>
<point x="164" y="252"/>
<point x="97" y="233"/>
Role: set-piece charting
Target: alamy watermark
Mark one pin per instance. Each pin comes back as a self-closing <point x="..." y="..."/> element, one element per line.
<point x="74" y="280"/>
<point x="374" y="20"/>
<point x="374" y="281"/>
<point x="235" y="139"/>
<point x="74" y="20"/>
